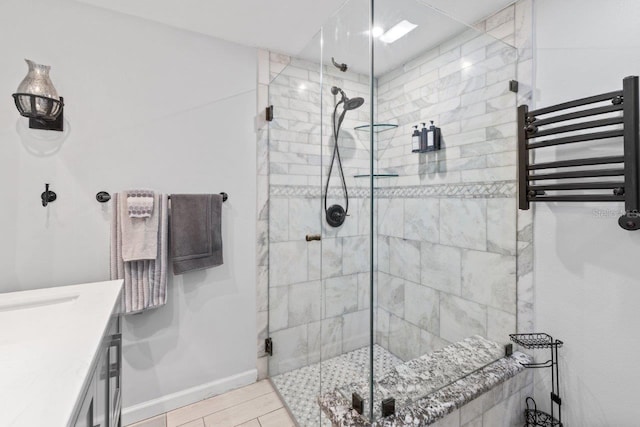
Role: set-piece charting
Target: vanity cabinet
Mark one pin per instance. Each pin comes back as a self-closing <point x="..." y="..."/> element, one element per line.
<point x="100" y="404"/>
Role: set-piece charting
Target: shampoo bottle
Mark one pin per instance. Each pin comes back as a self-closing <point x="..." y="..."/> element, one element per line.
<point x="434" y="137"/>
<point x="423" y="138"/>
<point x="415" y="140"/>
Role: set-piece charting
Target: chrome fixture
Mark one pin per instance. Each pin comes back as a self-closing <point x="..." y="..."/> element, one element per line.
<point x="37" y="99"/>
<point x="336" y="214"/>
<point x="342" y="67"/>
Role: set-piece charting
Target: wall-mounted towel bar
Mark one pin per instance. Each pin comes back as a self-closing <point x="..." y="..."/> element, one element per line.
<point x="620" y="172"/>
<point x="104" y="197"/>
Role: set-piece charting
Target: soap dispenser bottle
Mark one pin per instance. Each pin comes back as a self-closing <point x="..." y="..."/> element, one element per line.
<point x="423" y="138"/>
<point x="433" y="140"/>
<point x="415" y="140"/>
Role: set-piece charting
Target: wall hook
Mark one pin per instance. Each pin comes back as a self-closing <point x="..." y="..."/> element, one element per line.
<point x="48" y="196"/>
<point x="103" y="197"/>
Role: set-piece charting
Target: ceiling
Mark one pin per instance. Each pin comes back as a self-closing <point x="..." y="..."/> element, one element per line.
<point x="290" y="26"/>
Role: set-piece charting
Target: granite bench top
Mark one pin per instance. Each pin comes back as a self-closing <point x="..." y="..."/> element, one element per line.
<point x="429" y="387"/>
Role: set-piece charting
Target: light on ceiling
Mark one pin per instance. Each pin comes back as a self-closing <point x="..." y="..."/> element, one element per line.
<point x="377" y="31"/>
<point x="398" y="31"/>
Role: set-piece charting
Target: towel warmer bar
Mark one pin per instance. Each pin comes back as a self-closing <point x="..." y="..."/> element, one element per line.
<point x="104" y="197"/>
<point x="620" y="172"/>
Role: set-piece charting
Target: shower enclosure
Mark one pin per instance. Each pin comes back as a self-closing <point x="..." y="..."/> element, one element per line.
<point x="377" y="254"/>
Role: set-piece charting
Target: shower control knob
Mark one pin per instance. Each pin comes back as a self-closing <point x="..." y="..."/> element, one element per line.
<point x="336" y="215"/>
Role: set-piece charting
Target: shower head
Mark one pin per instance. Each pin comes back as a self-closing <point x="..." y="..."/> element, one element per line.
<point x="349" y="104"/>
<point x="352" y="104"/>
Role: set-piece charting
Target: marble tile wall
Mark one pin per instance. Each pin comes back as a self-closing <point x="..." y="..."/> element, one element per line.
<point x="448" y="269"/>
<point x="262" y="206"/>
<point x="524" y="249"/>
<point x="453" y="254"/>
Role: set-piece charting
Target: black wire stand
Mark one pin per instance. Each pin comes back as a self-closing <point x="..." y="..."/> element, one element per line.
<point x="533" y="416"/>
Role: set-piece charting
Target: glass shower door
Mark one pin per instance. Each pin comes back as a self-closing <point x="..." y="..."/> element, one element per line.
<point x="446" y="222"/>
<point x="347" y="337"/>
<point x="295" y="246"/>
<point x="320" y="271"/>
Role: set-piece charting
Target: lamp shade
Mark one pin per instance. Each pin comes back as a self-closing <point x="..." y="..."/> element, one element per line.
<point x="36" y="96"/>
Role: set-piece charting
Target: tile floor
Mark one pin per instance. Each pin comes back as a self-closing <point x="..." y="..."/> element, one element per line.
<point x="259" y="405"/>
<point x="256" y="405"/>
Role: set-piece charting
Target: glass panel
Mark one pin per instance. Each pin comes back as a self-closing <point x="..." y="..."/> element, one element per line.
<point x="446" y="226"/>
<point x="320" y="318"/>
<point x="346" y="265"/>
<point x="295" y="287"/>
<point x="443" y="220"/>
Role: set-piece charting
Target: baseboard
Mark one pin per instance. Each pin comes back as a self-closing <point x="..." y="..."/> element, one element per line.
<point x="151" y="408"/>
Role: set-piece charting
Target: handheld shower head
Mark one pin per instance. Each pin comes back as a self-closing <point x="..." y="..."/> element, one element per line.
<point x="336" y="214"/>
<point x="352" y="104"/>
<point x="349" y="104"/>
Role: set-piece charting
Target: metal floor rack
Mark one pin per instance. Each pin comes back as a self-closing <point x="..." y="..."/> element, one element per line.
<point x="576" y="122"/>
<point x="533" y="416"/>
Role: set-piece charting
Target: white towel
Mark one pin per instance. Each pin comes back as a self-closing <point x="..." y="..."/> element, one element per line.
<point x="145" y="281"/>
<point x="139" y="235"/>
<point x="140" y="203"/>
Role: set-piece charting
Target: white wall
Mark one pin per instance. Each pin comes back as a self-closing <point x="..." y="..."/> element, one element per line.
<point x="586" y="268"/>
<point x="148" y="106"/>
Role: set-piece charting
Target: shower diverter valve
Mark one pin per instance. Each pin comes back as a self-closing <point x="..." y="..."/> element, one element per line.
<point x="336" y="215"/>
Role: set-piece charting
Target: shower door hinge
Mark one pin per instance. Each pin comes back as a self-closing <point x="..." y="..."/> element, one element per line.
<point x="388" y="407"/>
<point x="508" y="350"/>
<point x="357" y="403"/>
<point x="269" y="113"/>
<point x="513" y="86"/>
<point x="268" y="346"/>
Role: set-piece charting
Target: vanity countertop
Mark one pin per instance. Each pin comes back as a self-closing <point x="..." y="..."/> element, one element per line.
<point x="48" y="341"/>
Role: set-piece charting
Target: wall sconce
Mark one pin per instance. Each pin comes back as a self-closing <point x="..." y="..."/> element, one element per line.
<point x="37" y="99"/>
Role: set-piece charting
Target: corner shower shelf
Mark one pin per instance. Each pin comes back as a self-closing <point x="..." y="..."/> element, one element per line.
<point x="533" y="416"/>
<point x="377" y="127"/>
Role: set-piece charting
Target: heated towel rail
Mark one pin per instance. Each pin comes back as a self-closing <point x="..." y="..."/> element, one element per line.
<point x="599" y="117"/>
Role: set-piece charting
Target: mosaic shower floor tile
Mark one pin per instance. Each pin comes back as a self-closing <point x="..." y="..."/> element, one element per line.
<point x="300" y="388"/>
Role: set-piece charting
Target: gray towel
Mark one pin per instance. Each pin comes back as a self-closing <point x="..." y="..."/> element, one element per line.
<point x="145" y="281"/>
<point x="196" y="231"/>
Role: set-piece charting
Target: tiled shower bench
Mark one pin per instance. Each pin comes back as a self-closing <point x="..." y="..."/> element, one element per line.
<point x="466" y="384"/>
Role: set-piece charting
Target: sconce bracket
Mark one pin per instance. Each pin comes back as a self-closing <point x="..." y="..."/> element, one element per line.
<point x="57" y="124"/>
<point x="48" y="197"/>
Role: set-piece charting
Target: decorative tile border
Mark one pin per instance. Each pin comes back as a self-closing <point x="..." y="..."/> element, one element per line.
<point x="499" y="189"/>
